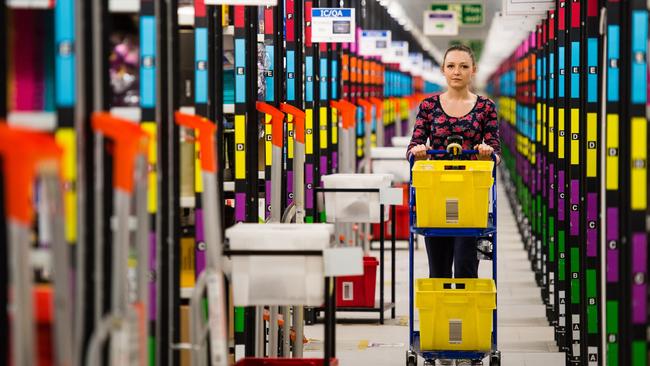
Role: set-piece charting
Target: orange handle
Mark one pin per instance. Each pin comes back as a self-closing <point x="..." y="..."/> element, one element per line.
<point x="347" y="109"/>
<point x="22" y="150"/>
<point x="129" y="139"/>
<point x="367" y="109"/>
<point x="299" y="120"/>
<point x="277" y="117"/>
<point x="206" y="130"/>
<point x="378" y="106"/>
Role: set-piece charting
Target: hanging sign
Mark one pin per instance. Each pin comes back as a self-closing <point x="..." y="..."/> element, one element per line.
<point x="440" y="23"/>
<point x="397" y="53"/>
<point x="242" y="2"/>
<point x="333" y="25"/>
<point x="374" y="42"/>
<point x="468" y="14"/>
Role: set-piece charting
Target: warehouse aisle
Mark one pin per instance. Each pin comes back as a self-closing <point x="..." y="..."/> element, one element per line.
<point x="526" y="339"/>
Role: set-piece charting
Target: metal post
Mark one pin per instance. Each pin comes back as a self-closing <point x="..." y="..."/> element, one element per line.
<point x="381" y="263"/>
<point x="393" y="260"/>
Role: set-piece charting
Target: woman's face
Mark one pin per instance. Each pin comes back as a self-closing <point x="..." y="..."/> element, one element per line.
<point x="458" y="69"/>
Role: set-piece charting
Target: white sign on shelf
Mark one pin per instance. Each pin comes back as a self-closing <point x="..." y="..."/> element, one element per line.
<point x="417" y="63"/>
<point x="440" y="23"/>
<point x="397" y="54"/>
<point x="374" y="42"/>
<point x="242" y="2"/>
<point x="333" y="25"/>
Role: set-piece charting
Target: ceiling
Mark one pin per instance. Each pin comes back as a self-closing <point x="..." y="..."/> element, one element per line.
<point x="497" y="37"/>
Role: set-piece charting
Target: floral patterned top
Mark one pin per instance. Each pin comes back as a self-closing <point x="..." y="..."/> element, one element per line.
<point x="478" y="126"/>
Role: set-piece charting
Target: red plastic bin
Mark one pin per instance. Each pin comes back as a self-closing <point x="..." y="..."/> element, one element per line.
<point x="401" y="225"/>
<point x="358" y="291"/>
<point x="284" y="362"/>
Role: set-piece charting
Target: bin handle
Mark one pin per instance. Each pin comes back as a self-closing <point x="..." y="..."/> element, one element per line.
<point x="378" y="106"/>
<point x="367" y="109"/>
<point x="206" y="130"/>
<point x="347" y="111"/>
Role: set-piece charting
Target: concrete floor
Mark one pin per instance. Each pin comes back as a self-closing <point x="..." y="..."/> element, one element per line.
<point x="525" y="338"/>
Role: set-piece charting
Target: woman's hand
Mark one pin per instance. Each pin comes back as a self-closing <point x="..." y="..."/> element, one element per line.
<point x="484" y="151"/>
<point x="419" y="152"/>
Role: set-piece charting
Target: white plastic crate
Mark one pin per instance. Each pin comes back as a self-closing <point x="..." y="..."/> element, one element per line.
<point x="355" y="207"/>
<point x="391" y="160"/>
<point x="278" y="280"/>
<point x="400" y="141"/>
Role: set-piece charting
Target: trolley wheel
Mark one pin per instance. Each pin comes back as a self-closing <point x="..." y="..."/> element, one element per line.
<point x="430" y="363"/>
<point x="495" y="358"/>
<point x="411" y="358"/>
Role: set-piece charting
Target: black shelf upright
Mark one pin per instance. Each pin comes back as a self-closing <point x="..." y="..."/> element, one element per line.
<point x="311" y="138"/>
<point x="323" y="115"/>
<point x="575" y="204"/>
<point x="168" y="150"/>
<point x="4" y="270"/>
<point x="562" y="226"/>
<point x="591" y="176"/>
<point x="542" y="102"/>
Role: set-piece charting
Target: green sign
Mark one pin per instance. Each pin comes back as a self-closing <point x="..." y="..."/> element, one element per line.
<point x="468" y="14"/>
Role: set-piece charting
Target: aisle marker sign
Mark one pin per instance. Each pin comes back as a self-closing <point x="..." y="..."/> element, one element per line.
<point x="333" y="25"/>
<point x="374" y="42"/>
<point x="468" y="14"/>
<point x="440" y="23"/>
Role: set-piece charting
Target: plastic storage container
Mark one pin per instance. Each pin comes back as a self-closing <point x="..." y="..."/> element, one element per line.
<point x="452" y="194"/>
<point x="455" y="314"/>
<point x="401" y="141"/>
<point x="278" y="280"/>
<point x="284" y="362"/>
<point x="357" y="207"/>
<point x="358" y="291"/>
<point x="401" y="225"/>
<point x="391" y="160"/>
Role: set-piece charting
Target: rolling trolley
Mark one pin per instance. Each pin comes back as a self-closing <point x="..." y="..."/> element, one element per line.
<point x="484" y="292"/>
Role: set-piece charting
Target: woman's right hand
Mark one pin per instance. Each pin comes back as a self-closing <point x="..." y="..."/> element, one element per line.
<point x="419" y="152"/>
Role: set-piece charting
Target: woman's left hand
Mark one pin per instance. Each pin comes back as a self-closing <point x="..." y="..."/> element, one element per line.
<point x="484" y="151"/>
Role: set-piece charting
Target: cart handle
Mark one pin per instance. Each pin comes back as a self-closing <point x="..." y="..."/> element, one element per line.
<point x="206" y="130"/>
<point x="347" y="111"/>
<point x="367" y="109"/>
<point x="298" y="117"/>
<point x="130" y="140"/>
<point x="277" y="117"/>
<point x="378" y="106"/>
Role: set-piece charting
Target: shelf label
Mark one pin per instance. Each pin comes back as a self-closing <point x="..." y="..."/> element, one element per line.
<point x="374" y="42"/>
<point x="440" y="23"/>
<point x="333" y="25"/>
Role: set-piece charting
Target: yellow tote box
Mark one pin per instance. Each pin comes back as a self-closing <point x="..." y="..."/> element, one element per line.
<point x="455" y="314"/>
<point x="452" y="193"/>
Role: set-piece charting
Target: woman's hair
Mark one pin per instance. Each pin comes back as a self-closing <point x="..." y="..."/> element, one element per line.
<point x="462" y="48"/>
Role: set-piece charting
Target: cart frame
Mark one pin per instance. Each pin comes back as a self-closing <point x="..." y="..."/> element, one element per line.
<point x="489" y="232"/>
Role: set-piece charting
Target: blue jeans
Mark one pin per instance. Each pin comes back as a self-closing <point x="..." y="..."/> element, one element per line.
<point x="445" y="251"/>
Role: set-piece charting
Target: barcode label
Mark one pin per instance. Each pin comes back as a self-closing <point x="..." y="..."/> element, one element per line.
<point x="455" y="331"/>
<point x="348" y="291"/>
<point x="452" y="211"/>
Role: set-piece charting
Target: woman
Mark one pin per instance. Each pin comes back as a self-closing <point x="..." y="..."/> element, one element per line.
<point x="458" y="112"/>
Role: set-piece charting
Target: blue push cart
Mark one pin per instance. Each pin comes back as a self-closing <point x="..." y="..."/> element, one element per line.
<point x="488" y="233"/>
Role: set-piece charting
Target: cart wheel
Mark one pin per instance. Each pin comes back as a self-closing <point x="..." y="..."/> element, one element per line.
<point x="429" y="363"/>
<point x="411" y="358"/>
<point x="495" y="358"/>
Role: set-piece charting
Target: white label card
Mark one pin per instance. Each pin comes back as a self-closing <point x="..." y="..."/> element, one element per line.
<point x="333" y="25"/>
<point x="440" y="23"/>
<point x="374" y="42"/>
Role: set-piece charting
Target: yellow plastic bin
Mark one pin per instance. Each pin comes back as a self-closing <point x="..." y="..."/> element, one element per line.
<point x="452" y="194"/>
<point x="455" y="314"/>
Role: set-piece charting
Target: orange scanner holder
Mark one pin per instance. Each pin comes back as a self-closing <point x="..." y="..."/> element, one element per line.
<point x="130" y="140"/>
<point x="277" y="118"/>
<point x="367" y="109"/>
<point x="22" y="151"/>
<point x="206" y="129"/>
<point x="298" y="118"/>
<point x="378" y="107"/>
<point x="347" y="110"/>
